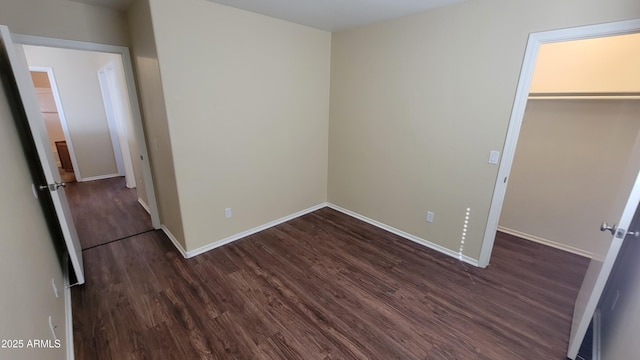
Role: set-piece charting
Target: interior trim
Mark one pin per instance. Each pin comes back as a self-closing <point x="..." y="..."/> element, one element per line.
<point x="547" y="242"/>
<point x="175" y="241"/>
<point x="416" y="239"/>
<point x="252" y="231"/>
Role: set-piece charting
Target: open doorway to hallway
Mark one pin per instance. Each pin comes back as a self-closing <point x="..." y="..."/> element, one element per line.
<point x="84" y="102"/>
<point x="105" y="211"/>
<point x="55" y="129"/>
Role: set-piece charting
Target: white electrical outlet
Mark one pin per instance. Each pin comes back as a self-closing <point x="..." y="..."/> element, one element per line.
<point x="429" y="216"/>
<point x="55" y="288"/>
<point x="227" y="213"/>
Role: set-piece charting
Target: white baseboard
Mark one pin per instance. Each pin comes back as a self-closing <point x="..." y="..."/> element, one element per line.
<point x="421" y="241"/>
<point x="175" y="241"/>
<point x="144" y="205"/>
<point x="232" y="238"/>
<point x="547" y="242"/>
<point x="252" y="231"/>
<point x="68" y="312"/>
<point x="100" y="177"/>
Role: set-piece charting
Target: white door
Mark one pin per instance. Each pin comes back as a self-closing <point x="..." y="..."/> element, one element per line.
<point x="27" y="92"/>
<point x="598" y="273"/>
<point x="118" y="124"/>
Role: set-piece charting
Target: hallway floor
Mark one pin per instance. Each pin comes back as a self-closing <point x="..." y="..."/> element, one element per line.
<point x="106" y="210"/>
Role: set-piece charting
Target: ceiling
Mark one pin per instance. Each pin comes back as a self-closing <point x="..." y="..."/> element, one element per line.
<point x="329" y="15"/>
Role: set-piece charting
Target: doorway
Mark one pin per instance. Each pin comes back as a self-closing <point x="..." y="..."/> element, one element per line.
<point x="520" y="104"/>
<point x="623" y="201"/>
<point x="144" y="181"/>
<point x="92" y="136"/>
<point x="54" y="119"/>
<point x="89" y="126"/>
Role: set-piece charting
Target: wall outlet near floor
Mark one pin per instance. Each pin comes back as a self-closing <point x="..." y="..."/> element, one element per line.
<point x="227" y="213"/>
<point x="429" y="216"/>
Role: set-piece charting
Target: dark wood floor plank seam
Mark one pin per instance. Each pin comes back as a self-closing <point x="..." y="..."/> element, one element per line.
<point x="106" y="210"/>
<point x="119" y="239"/>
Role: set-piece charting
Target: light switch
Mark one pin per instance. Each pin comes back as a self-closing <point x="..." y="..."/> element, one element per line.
<point x="494" y="157"/>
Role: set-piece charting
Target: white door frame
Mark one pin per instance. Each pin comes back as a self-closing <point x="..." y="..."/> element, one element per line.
<point x="63" y="119"/>
<point x="520" y="103"/>
<point x="118" y="126"/>
<point x="111" y="123"/>
<point x="133" y="101"/>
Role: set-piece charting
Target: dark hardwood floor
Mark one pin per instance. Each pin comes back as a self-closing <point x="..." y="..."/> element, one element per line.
<point x="323" y="286"/>
<point x="106" y="210"/>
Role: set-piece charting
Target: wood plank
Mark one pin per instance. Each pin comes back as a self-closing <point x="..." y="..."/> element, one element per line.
<point x="323" y="286"/>
<point x="106" y="210"/>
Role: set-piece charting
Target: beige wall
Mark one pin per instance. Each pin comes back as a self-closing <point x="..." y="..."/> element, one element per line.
<point x="28" y="260"/>
<point x="571" y="156"/>
<point x="64" y="19"/>
<point x="77" y="79"/>
<point x="417" y="103"/>
<point x="247" y="100"/>
<point x="611" y="64"/>
<point x="151" y="98"/>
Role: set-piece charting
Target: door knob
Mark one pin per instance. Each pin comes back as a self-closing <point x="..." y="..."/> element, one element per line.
<point x="605" y="227"/>
<point x="52" y="187"/>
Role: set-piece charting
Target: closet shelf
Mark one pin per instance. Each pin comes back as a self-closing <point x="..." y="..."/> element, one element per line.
<point x="586" y="95"/>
